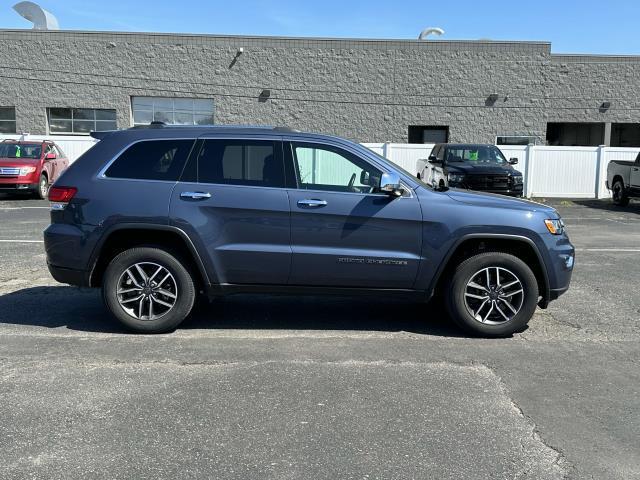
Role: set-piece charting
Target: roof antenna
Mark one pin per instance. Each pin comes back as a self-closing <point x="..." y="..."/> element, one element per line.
<point x="41" y="19"/>
<point x="430" y="30"/>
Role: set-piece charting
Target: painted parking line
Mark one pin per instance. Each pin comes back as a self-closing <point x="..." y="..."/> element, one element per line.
<point x="20" y="241"/>
<point x="6" y="209"/>
<point x="625" y="250"/>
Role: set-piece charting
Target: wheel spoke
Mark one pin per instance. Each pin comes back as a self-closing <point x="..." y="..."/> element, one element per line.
<point x="154" y="275"/>
<point x="509" y="305"/>
<point x="478" y="297"/>
<point x="477" y="312"/>
<point x="133" y="279"/>
<point x="129" y="290"/>
<point x="161" y="302"/>
<point x="509" y="295"/>
<point x="510" y="284"/>
<point x="166" y="293"/>
<point x="144" y="276"/>
<point x="161" y="282"/>
<point x="489" y="312"/>
<point x="478" y="286"/>
<point x="501" y="312"/>
<point x="488" y="279"/>
<point x="141" y="306"/>
<point x="497" y="277"/>
<point x="150" y="308"/>
<point x="134" y="299"/>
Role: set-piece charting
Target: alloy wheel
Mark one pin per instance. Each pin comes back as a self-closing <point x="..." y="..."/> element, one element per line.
<point x="494" y="295"/>
<point x="147" y="291"/>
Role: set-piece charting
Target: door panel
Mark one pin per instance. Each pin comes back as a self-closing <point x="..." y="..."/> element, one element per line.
<point x="234" y="206"/>
<point x="244" y="230"/>
<point x="354" y="240"/>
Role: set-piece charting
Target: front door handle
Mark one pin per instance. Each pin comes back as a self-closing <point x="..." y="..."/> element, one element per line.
<point x="312" y="203"/>
<point x="195" y="195"/>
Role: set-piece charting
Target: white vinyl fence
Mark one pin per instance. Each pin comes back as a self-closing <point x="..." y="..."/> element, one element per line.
<point x="562" y="172"/>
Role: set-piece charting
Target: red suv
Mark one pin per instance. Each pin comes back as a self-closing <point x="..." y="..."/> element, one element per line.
<point x="30" y="166"/>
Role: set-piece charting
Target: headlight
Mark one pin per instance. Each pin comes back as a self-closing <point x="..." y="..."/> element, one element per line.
<point x="555" y="227"/>
<point x="27" y="170"/>
<point x="517" y="179"/>
<point x="455" y="178"/>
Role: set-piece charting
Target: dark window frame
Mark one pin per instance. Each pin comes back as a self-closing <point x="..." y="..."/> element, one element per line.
<point x="81" y="119"/>
<point x="9" y="121"/>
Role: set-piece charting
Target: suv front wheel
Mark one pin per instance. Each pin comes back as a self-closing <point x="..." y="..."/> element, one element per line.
<point x="492" y="294"/>
<point x="148" y="290"/>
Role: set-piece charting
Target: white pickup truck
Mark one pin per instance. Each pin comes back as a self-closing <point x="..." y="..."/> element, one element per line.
<point x="623" y="179"/>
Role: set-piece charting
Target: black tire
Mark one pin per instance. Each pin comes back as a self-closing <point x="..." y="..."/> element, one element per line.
<point x="181" y="281"/>
<point x="619" y="194"/>
<point x="497" y="326"/>
<point x="43" y="187"/>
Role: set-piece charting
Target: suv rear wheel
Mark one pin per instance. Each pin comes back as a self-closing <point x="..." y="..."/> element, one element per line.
<point x="148" y="290"/>
<point x="43" y="187"/>
<point x="492" y="294"/>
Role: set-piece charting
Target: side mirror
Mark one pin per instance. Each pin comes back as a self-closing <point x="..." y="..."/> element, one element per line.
<point x="433" y="160"/>
<point x="513" y="161"/>
<point x="50" y="156"/>
<point x="390" y="184"/>
<point x="364" y="178"/>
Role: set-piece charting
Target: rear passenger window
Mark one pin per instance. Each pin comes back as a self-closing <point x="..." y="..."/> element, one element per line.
<point x="241" y="162"/>
<point x="152" y="160"/>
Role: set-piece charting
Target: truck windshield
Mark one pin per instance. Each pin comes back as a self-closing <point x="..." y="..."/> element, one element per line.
<point x="484" y="154"/>
<point x="20" y="150"/>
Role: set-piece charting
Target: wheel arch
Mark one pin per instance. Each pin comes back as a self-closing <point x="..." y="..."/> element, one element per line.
<point x="124" y="236"/>
<point x="470" y="244"/>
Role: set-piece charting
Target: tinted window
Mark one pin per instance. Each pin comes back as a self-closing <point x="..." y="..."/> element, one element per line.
<point x="323" y="167"/>
<point x="152" y="160"/>
<point x="241" y="162"/>
<point x="476" y="154"/>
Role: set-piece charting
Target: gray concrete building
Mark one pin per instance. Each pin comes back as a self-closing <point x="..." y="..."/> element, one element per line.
<point x="71" y="82"/>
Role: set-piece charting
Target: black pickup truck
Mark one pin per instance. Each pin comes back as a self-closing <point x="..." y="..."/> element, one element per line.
<point x="623" y="179"/>
<point x="473" y="167"/>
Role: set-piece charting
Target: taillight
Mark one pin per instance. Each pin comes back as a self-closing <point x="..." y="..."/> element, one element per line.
<point x="62" y="194"/>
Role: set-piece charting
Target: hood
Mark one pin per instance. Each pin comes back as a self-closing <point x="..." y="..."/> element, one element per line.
<point x="471" y="169"/>
<point x="482" y="199"/>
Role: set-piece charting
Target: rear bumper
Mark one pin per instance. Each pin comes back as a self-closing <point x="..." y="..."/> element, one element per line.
<point x="79" y="278"/>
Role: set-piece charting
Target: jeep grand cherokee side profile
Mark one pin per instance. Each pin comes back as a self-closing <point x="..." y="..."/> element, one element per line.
<point x="155" y="215"/>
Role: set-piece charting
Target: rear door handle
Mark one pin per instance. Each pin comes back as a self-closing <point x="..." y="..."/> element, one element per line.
<point x="312" y="203"/>
<point x="195" y="195"/>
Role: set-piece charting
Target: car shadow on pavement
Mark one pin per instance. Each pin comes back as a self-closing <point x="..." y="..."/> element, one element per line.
<point x="607" y="205"/>
<point x="81" y="309"/>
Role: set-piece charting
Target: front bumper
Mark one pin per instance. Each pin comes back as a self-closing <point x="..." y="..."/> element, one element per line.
<point x="18" y="187"/>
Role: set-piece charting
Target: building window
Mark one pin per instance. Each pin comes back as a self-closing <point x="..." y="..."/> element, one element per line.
<point x="172" y="111"/>
<point x="80" y="121"/>
<point x="625" y="135"/>
<point x="428" y="134"/>
<point x="575" y="134"/>
<point x="7" y="120"/>
<point x="516" y="140"/>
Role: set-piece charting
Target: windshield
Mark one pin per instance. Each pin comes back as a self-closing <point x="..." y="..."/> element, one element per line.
<point x="20" y="150"/>
<point x="476" y="154"/>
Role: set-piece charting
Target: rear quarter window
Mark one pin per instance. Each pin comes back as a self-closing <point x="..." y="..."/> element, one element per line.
<point x="151" y="160"/>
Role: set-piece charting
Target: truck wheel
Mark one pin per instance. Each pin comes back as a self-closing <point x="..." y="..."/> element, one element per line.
<point x="492" y="294"/>
<point x="43" y="187"/>
<point x="148" y="290"/>
<point x="620" y="196"/>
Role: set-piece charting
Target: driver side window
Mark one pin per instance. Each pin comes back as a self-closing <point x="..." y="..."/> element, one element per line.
<point x="324" y="167"/>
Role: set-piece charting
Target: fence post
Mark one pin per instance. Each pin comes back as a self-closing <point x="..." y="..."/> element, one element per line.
<point x="598" y="169"/>
<point x="386" y="150"/>
<point x="528" y="178"/>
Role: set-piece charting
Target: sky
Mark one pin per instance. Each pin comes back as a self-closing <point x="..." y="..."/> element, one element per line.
<point x="588" y="26"/>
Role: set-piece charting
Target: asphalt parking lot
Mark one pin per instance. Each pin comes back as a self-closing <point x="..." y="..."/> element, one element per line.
<point x="261" y="387"/>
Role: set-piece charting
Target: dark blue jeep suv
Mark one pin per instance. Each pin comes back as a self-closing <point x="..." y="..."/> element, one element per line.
<point x="156" y="215"/>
